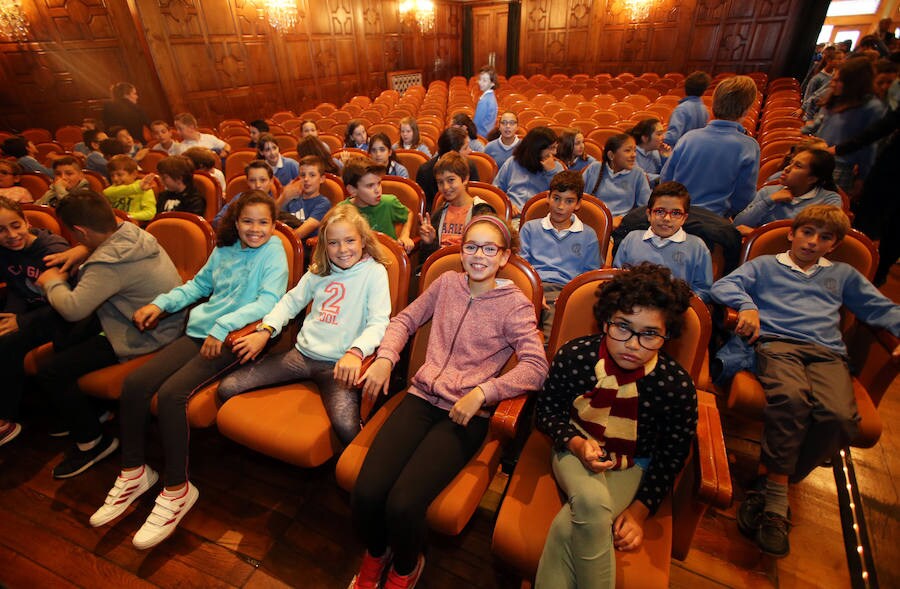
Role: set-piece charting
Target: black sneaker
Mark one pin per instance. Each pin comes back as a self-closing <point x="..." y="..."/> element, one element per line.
<point x="751" y="510"/>
<point x="772" y="536"/>
<point x="61" y="430"/>
<point x="77" y="461"/>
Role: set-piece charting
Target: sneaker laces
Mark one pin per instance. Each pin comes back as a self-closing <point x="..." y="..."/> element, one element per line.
<point x="371" y="568"/>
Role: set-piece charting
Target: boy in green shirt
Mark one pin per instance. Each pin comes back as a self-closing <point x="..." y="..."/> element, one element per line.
<point x="127" y="193"/>
<point x="362" y="178"/>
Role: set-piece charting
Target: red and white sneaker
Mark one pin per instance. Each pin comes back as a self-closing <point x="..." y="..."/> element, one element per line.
<point x="164" y="518"/>
<point x="123" y="494"/>
<point x="371" y="570"/>
<point x="395" y="581"/>
<point x="9" y="432"/>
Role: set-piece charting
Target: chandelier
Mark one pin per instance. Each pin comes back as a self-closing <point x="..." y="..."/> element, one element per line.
<point x="282" y="14"/>
<point x="418" y="12"/>
<point x="638" y="10"/>
<point x="13" y="24"/>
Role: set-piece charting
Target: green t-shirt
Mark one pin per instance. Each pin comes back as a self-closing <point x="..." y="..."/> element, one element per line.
<point x="382" y="216"/>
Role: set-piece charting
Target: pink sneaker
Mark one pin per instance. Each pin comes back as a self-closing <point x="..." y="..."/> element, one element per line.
<point x="370" y="571"/>
<point x="395" y="581"/>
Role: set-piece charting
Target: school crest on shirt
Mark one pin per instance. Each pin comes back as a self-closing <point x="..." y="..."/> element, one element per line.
<point x="679" y="258"/>
<point x="831" y="285"/>
<point x="576" y="249"/>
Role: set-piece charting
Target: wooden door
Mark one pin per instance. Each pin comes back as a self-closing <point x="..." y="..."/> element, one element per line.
<point x="489" y="27"/>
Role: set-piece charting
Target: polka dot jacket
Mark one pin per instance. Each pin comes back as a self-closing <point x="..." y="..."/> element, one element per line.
<point x="667" y="412"/>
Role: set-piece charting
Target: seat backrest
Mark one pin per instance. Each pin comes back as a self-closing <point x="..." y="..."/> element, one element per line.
<point x="486" y="166"/>
<point x="333" y="188"/>
<point x="42" y="217"/>
<point x="97" y="181"/>
<point x="293" y="249"/>
<point x="592" y="213"/>
<point x="447" y="259"/>
<point x="575" y="318"/>
<point x="211" y="191"/>
<point x="237" y="161"/>
<point x="410" y="194"/>
<point x="399" y="272"/>
<point x="391" y="131"/>
<point x="187" y="238"/>
<point x="489" y="193"/>
<point x="411" y="159"/>
<point x="333" y="142"/>
<point x="151" y="159"/>
<point x="37" y="135"/>
<point x="238" y="184"/>
<point x="35" y="183"/>
<point x="772" y="238"/>
<point x="68" y="135"/>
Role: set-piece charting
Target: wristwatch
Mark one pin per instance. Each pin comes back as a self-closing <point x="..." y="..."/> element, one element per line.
<point x="264" y="327"/>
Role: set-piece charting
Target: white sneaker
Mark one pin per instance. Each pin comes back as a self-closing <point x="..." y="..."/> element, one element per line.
<point x="122" y="494"/>
<point x="164" y="518"/>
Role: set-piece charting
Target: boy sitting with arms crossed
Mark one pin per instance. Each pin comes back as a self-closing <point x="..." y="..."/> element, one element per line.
<point x="127" y="192"/>
<point x="452" y="175"/>
<point x="560" y="246"/>
<point x="69" y="179"/>
<point x="789" y="305"/>
<point x="666" y="243"/>
<point x="362" y="178"/>
<point x="176" y="173"/>
<point x="302" y="198"/>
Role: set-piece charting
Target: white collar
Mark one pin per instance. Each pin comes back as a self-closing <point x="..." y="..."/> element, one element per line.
<point x="515" y="142"/>
<point x="785" y="259"/>
<point x="643" y="151"/>
<point x="491" y="90"/>
<point x="280" y="163"/>
<point x="576" y="227"/>
<point x="616" y="174"/>
<point x="677" y="237"/>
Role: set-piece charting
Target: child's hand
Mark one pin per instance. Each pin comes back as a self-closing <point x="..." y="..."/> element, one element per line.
<point x="146" y="317"/>
<point x="376" y="378"/>
<point x="426" y="231"/>
<point x="247" y="348"/>
<point x="748" y="324"/>
<point x="69" y="259"/>
<point x="346" y="370"/>
<point x="548" y="163"/>
<point x="212" y="348"/>
<point x="8" y="323"/>
<point x="292" y="189"/>
<point x="590" y="454"/>
<point x="463" y="410"/>
<point x="514" y="210"/>
<point x="544" y="304"/>
<point x="148" y="181"/>
<point x="665" y="150"/>
<point x="141" y="154"/>
<point x="406" y="243"/>
<point x="744" y="230"/>
<point x="51" y="275"/>
<point x="628" y="528"/>
<point x="783" y="195"/>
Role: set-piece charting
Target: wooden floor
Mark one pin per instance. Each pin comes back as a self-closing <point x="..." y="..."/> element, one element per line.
<point x="262" y="524"/>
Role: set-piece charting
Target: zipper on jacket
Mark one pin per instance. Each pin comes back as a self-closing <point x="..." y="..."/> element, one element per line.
<point x="452" y="344"/>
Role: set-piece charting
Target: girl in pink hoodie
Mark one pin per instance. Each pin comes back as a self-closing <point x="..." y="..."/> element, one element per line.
<point x="478" y="322"/>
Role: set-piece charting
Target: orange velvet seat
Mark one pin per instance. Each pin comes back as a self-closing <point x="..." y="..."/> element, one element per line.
<point x="454" y="506"/>
<point x="289" y="422"/>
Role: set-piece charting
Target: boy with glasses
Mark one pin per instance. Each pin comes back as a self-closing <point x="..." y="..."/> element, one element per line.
<point x="666" y="243"/>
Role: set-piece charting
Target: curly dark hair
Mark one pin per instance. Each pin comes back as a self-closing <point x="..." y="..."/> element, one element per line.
<point x="645" y="285"/>
<point x="227" y="233"/>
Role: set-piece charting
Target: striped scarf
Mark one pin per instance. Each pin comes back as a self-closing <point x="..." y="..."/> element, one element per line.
<point x="608" y="413"/>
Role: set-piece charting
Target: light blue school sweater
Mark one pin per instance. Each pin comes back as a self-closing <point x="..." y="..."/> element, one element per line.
<point x="289" y="170"/>
<point x="242" y="284"/>
<point x="837" y="127"/>
<point x="422" y="147"/>
<point x="690" y="114"/>
<point x="397" y="169"/>
<point x="519" y="184"/>
<point x="558" y="256"/>
<point x="350" y="309"/>
<point x="486" y="113"/>
<point x="621" y="191"/>
<point x="500" y="152"/>
<point x="651" y="162"/>
<point x="805" y="308"/>
<point x="764" y="210"/>
<point x="582" y="162"/>
<point x="718" y="164"/>
<point x="688" y="258"/>
<point x="476" y="145"/>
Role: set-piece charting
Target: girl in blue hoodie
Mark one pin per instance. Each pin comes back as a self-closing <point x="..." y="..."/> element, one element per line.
<point x="347" y="284"/>
<point x="242" y="280"/>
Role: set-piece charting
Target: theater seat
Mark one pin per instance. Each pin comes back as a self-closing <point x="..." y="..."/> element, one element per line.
<point x="288" y="421"/>
<point x="533" y="499"/>
<point x="452" y="509"/>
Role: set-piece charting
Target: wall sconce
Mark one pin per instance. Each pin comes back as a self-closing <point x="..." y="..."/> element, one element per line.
<point x="282" y="14"/>
<point x="13" y="23"/>
<point x="638" y="10"/>
<point x="418" y="12"/>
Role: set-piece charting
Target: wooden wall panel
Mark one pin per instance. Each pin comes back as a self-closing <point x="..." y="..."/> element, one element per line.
<point x="580" y="36"/>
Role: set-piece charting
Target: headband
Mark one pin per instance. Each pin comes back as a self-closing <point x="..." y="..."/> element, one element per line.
<point x="496" y="222"/>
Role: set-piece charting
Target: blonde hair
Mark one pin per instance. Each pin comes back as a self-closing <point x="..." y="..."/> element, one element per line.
<point x="828" y="217"/>
<point x="320" y="264"/>
<point x="733" y="96"/>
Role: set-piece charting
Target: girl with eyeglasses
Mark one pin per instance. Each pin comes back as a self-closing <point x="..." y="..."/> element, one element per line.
<point x="618" y="181"/>
<point x="478" y="322"/>
<point x="621" y="414"/>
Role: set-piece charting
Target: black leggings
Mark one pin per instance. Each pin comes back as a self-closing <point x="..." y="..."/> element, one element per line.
<point x="415" y="455"/>
<point x="175" y="373"/>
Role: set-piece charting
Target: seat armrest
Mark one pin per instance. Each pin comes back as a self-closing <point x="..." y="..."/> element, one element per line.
<point x="507" y="416"/>
<point x="870" y="351"/>
<point x="730" y="320"/>
<point x="713" y="474"/>
<point x="365" y="404"/>
<point x="232" y="337"/>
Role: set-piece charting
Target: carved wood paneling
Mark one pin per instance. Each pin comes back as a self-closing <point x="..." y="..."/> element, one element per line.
<point x="584" y="36"/>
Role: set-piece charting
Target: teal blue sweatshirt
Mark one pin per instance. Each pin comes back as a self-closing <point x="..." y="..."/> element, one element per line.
<point x="242" y="284"/>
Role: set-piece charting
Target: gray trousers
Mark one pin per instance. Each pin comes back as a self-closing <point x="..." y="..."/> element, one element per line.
<point x="810" y="410"/>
